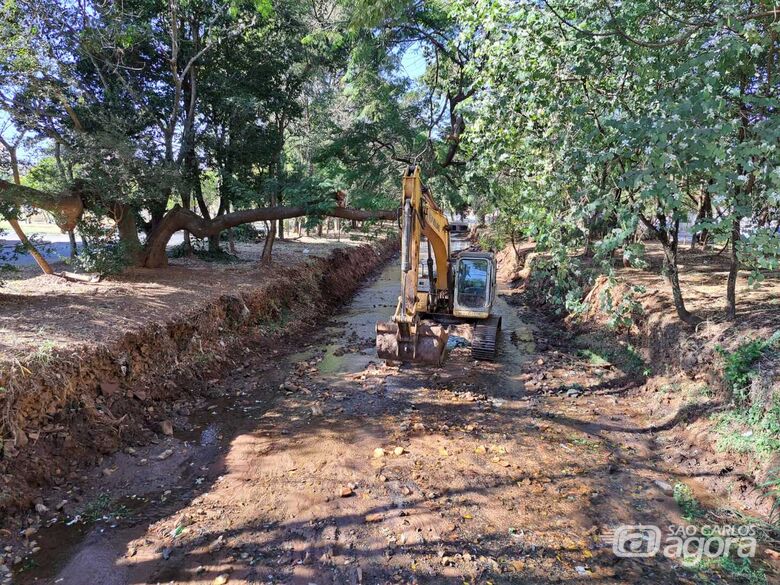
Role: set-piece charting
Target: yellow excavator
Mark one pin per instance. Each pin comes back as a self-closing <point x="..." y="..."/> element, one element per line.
<point x="461" y="287"/>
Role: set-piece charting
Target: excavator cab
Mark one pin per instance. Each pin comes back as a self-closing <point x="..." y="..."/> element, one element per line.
<point x="475" y="285"/>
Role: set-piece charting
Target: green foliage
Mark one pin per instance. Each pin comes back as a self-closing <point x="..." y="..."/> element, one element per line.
<point x="102" y="252"/>
<point x="243" y="233"/>
<point x="596" y="122"/>
<point x="744" y="570"/>
<point x="753" y="429"/>
<point x="738" y="365"/>
<point x="598" y="348"/>
<point x="201" y="251"/>
<point x="689" y="505"/>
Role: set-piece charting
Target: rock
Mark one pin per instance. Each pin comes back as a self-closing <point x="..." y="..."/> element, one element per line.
<point x="165" y="454"/>
<point x="108" y="471"/>
<point x="28" y="532"/>
<point x="166" y="553"/>
<point x="61" y="505"/>
<point x="41" y="509"/>
<point x="109" y="388"/>
<point x="216" y="545"/>
<point x="346" y="491"/>
<point x="166" y="428"/>
<point x="379" y="452"/>
<point x="664" y="486"/>
<point x="221" y="580"/>
<point x="398" y="451"/>
<point x="481" y="450"/>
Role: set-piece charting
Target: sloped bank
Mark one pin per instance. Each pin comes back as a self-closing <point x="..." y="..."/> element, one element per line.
<point x="66" y="409"/>
<point x="682" y="378"/>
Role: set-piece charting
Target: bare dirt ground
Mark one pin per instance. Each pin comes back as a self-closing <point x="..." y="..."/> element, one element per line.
<point x="316" y="463"/>
<point x="39" y="312"/>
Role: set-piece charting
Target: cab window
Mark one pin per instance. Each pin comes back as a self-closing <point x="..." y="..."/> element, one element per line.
<point x="472" y="283"/>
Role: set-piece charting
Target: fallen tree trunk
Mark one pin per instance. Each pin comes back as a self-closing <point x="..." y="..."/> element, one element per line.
<point x="179" y="218"/>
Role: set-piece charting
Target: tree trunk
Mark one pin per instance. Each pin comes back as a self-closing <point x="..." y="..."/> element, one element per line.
<point x="128" y="232"/>
<point x="66" y="208"/>
<point x="268" y="246"/>
<point x="731" y="285"/>
<point x="37" y="256"/>
<point x="673" y="277"/>
<point x="704" y="212"/>
<point x="669" y="239"/>
<point x="74" y="249"/>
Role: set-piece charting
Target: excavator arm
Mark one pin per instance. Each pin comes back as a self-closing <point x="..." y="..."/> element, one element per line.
<point x="406" y="338"/>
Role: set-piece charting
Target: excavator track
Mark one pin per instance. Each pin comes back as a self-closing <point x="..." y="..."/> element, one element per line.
<point x="483" y="344"/>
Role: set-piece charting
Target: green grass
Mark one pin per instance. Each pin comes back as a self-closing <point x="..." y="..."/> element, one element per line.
<point x="737" y="570"/>
<point x="97" y="508"/>
<point x="43" y="355"/>
<point x="739" y="364"/>
<point x="103" y="506"/>
<point x="689" y="505"/>
<point x="601" y="350"/>
<point x="593" y="358"/>
<point x="585" y="442"/>
<point x="753" y="430"/>
<point x="33" y="228"/>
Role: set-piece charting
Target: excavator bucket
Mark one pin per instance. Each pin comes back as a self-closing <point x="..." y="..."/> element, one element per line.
<point x="426" y="346"/>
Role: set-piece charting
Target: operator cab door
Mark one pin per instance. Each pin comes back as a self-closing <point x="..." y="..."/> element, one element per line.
<point x="475" y="284"/>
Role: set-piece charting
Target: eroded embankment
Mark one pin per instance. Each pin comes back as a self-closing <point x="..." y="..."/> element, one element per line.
<point x="680" y="373"/>
<point x="62" y="410"/>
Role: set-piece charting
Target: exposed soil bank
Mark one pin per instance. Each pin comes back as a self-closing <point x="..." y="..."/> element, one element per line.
<point x="63" y="410"/>
<point x="679" y="371"/>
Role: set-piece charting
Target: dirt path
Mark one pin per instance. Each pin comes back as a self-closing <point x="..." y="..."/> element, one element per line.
<point x="325" y="466"/>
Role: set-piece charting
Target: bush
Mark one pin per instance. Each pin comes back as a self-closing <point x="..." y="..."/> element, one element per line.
<point x="242" y="233"/>
<point x="102" y="252"/>
<point x="103" y="258"/>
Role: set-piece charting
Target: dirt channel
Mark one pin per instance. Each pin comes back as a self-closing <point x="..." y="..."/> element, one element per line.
<point x="319" y="464"/>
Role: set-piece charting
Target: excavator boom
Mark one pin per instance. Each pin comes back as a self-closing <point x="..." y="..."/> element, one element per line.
<point x="406" y="338"/>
